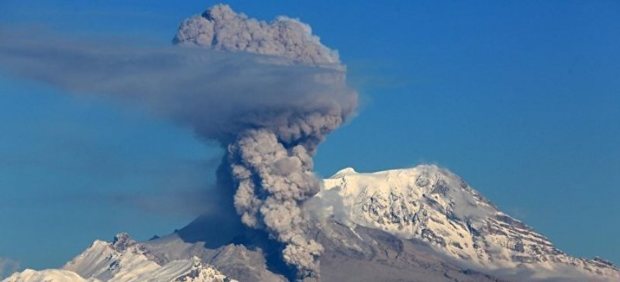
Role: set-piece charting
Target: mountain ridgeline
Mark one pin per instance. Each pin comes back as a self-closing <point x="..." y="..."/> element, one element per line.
<point x="417" y="224"/>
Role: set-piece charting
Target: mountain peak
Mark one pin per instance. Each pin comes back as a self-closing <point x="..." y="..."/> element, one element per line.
<point x="434" y="205"/>
<point x="423" y="222"/>
<point x="124" y="260"/>
<point x="122" y="241"/>
<point x="343" y="172"/>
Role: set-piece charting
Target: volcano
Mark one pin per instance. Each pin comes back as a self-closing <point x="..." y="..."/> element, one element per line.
<point x="416" y="224"/>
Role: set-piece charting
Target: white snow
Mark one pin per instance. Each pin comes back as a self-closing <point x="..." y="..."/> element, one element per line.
<point x="105" y="262"/>
<point x="426" y="203"/>
<point x="48" y="275"/>
<point x="434" y="205"/>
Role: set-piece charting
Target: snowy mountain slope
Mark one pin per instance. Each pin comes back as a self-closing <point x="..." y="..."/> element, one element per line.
<point x="433" y="205"/>
<point x="367" y="254"/>
<point x="124" y="260"/>
<point x="48" y="275"/>
<point x="361" y="255"/>
<point x="417" y="224"/>
<point x="244" y="262"/>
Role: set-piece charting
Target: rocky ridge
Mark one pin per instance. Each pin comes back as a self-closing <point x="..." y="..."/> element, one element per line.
<point x="123" y="260"/>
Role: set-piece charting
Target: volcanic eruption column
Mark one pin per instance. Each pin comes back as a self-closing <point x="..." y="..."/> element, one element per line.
<point x="267" y="92"/>
<point x="272" y="164"/>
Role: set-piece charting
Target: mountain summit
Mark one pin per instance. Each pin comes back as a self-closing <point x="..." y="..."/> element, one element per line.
<point x="433" y="205"/>
<point x="417" y="224"/>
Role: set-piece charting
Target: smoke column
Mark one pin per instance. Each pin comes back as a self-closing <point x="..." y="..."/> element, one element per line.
<point x="272" y="166"/>
<point x="269" y="93"/>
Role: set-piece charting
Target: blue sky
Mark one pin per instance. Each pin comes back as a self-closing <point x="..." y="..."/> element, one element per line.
<point x="520" y="98"/>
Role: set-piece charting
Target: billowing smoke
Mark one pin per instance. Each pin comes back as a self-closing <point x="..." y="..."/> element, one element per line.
<point x="273" y="165"/>
<point x="267" y="92"/>
<point x="220" y="28"/>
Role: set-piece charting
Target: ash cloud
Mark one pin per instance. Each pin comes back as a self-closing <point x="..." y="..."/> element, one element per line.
<point x="220" y="28"/>
<point x="268" y="93"/>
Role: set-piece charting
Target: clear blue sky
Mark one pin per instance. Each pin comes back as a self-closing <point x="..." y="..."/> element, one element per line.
<point x="520" y="98"/>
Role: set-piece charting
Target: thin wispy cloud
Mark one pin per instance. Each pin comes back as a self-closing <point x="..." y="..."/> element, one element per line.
<point x="7" y="267"/>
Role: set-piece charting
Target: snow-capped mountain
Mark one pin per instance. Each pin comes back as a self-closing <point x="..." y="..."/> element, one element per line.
<point x="123" y="260"/>
<point x="417" y="224"/>
<point x="435" y="206"/>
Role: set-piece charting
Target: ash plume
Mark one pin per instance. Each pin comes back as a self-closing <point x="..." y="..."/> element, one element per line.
<point x="220" y="28"/>
<point x="268" y="93"/>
